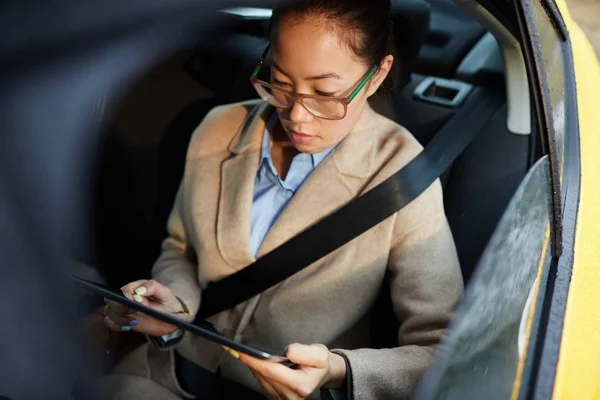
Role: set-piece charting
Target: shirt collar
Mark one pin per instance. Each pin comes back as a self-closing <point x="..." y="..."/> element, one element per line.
<point x="266" y="143"/>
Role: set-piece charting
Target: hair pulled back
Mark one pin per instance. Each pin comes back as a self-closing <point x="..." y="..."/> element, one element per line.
<point x="365" y="27"/>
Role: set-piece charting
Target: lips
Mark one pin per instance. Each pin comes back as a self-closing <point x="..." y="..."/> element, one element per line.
<point x="302" y="138"/>
<point x="301" y="134"/>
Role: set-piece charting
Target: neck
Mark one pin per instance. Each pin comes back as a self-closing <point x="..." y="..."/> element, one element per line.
<point x="282" y="151"/>
<point x="280" y="137"/>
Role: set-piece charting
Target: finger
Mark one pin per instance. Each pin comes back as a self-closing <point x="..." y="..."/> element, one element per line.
<point x="153" y="289"/>
<point x="267" y="388"/>
<point x="137" y="298"/>
<point x="276" y="390"/>
<point x="118" y="319"/>
<point x="111" y="325"/>
<point x="315" y="355"/>
<point x="116" y="307"/>
<point x="284" y="392"/>
<point x="274" y="371"/>
<point x="129" y="289"/>
<point x="158" y="291"/>
<point x="289" y="383"/>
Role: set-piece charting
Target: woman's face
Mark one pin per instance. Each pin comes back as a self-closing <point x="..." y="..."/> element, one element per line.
<point x="309" y="57"/>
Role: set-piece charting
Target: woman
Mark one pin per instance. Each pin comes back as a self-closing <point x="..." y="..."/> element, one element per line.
<point x="260" y="172"/>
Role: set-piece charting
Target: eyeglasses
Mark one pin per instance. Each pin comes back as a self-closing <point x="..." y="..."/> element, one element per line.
<point x="326" y="107"/>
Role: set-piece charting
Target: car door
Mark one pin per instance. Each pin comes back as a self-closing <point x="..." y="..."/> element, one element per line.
<point x="557" y="363"/>
<point x="505" y="336"/>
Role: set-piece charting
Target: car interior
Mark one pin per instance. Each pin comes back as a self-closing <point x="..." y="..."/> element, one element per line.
<point x="448" y="62"/>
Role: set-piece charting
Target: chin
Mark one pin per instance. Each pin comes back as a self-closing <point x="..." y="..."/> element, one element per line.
<point x="302" y="148"/>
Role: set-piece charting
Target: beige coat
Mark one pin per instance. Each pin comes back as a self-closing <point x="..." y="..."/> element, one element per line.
<point x="326" y="302"/>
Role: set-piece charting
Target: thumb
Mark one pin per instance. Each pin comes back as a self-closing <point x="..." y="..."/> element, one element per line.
<point x="315" y="355"/>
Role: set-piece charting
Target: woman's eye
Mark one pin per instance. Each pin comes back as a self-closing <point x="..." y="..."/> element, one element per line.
<point x="279" y="83"/>
<point x="326" y="94"/>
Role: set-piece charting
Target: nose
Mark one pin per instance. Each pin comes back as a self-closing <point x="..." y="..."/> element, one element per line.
<point x="298" y="113"/>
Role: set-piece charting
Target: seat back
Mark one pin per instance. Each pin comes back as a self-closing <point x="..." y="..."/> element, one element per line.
<point x="480" y="185"/>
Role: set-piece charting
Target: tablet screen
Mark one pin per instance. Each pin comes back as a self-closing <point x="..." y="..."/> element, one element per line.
<point x="204" y="329"/>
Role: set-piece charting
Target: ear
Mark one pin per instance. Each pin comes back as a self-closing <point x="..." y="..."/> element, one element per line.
<point x="384" y="69"/>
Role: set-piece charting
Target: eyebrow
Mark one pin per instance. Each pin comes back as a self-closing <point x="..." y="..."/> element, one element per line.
<point x="324" y="76"/>
<point x="310" y="78"/>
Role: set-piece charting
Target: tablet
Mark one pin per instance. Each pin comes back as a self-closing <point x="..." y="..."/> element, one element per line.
<point x="204" y="329"/>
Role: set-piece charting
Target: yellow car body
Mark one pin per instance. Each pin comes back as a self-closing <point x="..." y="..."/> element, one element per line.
<point x="578" y="369"/>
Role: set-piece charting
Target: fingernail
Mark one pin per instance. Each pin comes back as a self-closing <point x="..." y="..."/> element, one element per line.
<point x="234" y="353"/>
<point x="138" y="298"/>
<point x="125" y="328"/>
<point x="131" y="311"/>
<point x="133" y="322"/>
<point x="141" y="290"/>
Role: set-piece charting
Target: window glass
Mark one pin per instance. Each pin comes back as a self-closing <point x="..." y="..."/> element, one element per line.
<point x="550" y="48"/>
<point x="480" y="353"/>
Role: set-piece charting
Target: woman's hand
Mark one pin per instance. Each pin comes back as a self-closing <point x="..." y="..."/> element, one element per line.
<point x="154" y="295"/>
<point x="316" y="367"/>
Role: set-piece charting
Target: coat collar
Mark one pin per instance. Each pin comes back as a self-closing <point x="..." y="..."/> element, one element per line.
<point x="325" y="190"/>
<point x="353" y="156"/>
<point x="250" y="136"/>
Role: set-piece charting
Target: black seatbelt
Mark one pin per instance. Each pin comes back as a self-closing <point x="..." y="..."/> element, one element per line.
<point x="356" y="217"/>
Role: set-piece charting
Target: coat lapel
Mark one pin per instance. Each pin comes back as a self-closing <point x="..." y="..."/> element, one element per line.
<point x="338" y="179"/>
<point x="238" y="173"/>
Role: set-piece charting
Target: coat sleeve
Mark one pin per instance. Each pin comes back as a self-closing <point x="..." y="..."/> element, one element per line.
<point x="426" y="283"/>
<point x="175" y="267"/>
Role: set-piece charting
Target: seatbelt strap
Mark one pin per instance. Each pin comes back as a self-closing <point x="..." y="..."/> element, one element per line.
<point x="357" y="216"/>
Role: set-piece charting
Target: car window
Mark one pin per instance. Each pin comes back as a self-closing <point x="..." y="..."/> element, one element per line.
<point x="480" y="353"/>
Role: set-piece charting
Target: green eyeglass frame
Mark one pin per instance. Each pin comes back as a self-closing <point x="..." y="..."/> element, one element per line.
<point x="298" y="97"/>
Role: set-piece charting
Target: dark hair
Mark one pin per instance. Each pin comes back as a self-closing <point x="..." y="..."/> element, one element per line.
<point x="366" y="27"/>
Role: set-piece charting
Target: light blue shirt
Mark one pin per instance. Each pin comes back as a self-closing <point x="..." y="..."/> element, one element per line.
<point x="271" y="194"/>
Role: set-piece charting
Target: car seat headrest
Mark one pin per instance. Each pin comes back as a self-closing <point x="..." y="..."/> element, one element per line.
<point x="411" y="23"/>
